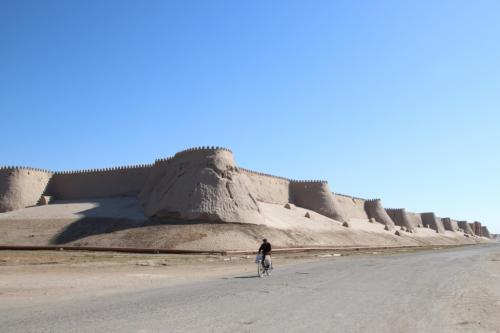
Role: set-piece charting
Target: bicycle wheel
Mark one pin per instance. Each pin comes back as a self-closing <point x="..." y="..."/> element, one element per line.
<point x="260" y="269"/>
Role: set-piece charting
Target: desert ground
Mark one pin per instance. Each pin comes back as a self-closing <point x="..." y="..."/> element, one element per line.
<point x="432" y="289"/>
<point x="120" y="222"/>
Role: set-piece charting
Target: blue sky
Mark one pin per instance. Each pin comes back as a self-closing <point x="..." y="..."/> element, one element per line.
<point x="392" y="99"/>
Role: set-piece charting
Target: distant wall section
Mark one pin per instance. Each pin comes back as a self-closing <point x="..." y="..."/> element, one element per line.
<point x="432" y="221"/>
<point x="449" y="224"/>
<point x="415" y="219"/>
<point x="268" y="188"/>
<point x="477" y="227"/>
<point x="351" y="207"/>
<point x="485" y="232"/>
<point x="316" y="195"/>
<point x="122" y="181"/>
<point x="401" y="218"/>
<point x="465" y="226"/>
<point x="376" y="211"/>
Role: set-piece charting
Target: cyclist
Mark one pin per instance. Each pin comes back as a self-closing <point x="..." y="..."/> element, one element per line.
<point x="265" y="248"/>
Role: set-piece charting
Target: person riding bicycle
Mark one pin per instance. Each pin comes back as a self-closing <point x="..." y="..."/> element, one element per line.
<point x="265" y="248"/>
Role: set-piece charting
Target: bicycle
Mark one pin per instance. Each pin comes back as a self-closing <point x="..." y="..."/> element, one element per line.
<point x="264" y="268"/>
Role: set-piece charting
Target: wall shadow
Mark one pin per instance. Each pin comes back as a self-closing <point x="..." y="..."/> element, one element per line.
<point x="105" y="219"/>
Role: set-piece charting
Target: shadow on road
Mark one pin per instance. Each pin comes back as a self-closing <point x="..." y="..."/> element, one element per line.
<point x="246" y="277"/>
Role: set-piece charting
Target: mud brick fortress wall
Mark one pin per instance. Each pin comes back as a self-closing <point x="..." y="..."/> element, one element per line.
<point x="121" y="181"/>
<point x="194" y="171"/>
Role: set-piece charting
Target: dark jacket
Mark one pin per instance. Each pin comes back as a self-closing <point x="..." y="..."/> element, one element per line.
<point x="265" y="248"/>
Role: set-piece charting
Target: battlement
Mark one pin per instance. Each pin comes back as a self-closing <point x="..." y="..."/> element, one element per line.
<point x="350" y="196"/>
<point x="12" y="168"/>
<point x="163" y="160"/>
<point x="321" y="182"/>
<point x="396" y="209"/>
<point x="261" y="174"/>
<point x="101" y="170"/>
<point x="201" y="149"/>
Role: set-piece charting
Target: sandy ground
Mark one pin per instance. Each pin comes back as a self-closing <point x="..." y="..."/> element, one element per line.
<point x="119" y="222"/>
<point x="39" y="277"/>
<point x="434" y="290"/>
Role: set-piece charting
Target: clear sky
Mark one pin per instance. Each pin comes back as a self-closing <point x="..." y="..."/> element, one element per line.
<point x="392" y="99"/>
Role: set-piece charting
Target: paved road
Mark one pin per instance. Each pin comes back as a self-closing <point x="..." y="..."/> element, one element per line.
<point x="431" y="291"/>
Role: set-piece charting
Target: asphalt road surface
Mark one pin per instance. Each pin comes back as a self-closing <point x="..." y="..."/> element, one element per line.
<point x="447" y="290"/>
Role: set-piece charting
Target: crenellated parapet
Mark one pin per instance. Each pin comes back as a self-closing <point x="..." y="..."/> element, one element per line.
<point x="163" y="160"/>
<point x="201" y="149"/>
<point x="101" y="170"/>
<point x="257" y="173"/>
<point x="349" y="196"/>
<point x="308" y="181"/>
<point x="13" y="168"/>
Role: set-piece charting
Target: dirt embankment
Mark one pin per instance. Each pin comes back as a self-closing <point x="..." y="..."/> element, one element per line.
<point x="120" y="222"/>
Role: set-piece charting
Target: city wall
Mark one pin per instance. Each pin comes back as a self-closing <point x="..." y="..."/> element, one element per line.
<point x="400" y="218"/>
<point x="376" y="211"/>
<point x="205" y="182"/>
<point x="449" y="224"/>
<point x="415" y="219"/>
<point x="268" y="188"/>
<point x="351" y="207"/>
<point x="21" y="187"/>
<point x="465" y="226"/>
<point x="122" y="181"/>
<point x="485" y="232"/>
<point x="432" y="221"/>
<point x="477" y="227"/>
<point x="316" y="196"/>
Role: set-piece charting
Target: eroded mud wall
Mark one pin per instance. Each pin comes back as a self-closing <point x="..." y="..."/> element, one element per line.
<point x="200" y="184"/>
<point x="430" y="219"/>
<point x="449" y="224"/>
<point x="485" y="232"/>
<point x="316" y="195"/>
<point x="121" y="181"/>
<point x="415" y="219"/>
<point x="477" y="228"/>
<point x="21" y="187"/>
<point x="268" y="188"/>
<point x="376" y="211"/>
<point x="400" y="218"/>
<point x="350" y="207"/>
<point x="465" y="226"/>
